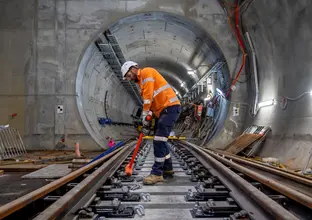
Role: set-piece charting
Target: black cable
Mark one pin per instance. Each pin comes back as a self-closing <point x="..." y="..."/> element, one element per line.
<point x="247" y="6"/>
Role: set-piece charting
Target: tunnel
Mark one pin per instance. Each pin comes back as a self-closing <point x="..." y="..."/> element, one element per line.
<point x="65" y="56"/>
<point x="177" y="47"/>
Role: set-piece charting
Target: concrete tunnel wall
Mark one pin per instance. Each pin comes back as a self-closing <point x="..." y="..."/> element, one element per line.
<point x="282" y="35"/>
<point x="57" y="34"/>
<point x="43" y="42"/>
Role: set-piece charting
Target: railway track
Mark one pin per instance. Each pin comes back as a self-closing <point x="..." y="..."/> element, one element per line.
<point x="202" y="188"/>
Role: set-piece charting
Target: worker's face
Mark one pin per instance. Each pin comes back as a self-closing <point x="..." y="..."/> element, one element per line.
<point x="132" y="74"/>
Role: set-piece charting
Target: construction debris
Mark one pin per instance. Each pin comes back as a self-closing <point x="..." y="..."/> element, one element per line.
<point x="78" y="163"/>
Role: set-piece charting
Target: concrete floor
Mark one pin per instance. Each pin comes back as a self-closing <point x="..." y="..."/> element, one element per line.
<point x="12" y="186"/>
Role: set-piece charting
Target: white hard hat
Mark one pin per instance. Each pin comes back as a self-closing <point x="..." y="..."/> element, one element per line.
<point x="126" y="66"/>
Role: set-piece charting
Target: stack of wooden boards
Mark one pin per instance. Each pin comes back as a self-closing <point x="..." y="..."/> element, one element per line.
<point x="248" y="143"/>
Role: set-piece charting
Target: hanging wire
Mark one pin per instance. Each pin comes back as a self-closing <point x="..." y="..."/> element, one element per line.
<point x="285" y="100"/>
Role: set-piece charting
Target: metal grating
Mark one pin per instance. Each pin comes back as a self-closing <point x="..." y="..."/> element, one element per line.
<point x="11" y="144"/>
<point x="111" y="51"/>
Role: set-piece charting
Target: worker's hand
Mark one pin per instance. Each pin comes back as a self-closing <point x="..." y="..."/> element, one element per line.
<point x="145" y="130"/>
<point x="143" y="118"/>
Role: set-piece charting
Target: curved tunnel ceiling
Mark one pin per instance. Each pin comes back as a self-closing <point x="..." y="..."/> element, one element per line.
<point x="172" y="44"/>
<point x="178" y="48"/>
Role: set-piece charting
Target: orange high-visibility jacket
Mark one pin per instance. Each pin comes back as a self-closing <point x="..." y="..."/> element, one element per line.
<point x="157" y="94"/>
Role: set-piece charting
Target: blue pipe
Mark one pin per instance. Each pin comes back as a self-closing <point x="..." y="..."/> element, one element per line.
<point x="107" y="151"/>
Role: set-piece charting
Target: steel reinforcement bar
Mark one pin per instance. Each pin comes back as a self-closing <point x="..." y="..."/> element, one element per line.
<point x="33" y="196"/>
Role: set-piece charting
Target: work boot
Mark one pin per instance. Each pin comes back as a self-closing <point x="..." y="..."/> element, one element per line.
<point x="168" y="173"/>
<point x="152" y="179"/>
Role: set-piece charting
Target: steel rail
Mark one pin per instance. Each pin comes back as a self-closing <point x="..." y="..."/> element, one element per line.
<point x="281" y="188"/>
<point x="298" y="178"/>
<point x="23" y="201"/>
<point x="106" y="169"/>
<point x="277" y="211"/>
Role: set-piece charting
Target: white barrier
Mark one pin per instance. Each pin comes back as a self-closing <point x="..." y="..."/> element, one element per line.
<point x="11" y="143"/>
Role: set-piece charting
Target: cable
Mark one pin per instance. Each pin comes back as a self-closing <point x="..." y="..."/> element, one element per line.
<point x="241" y="47"/>
<point x="284" y="102"/>
<point x="246" y="3"/>
<point x="298" y="97"/>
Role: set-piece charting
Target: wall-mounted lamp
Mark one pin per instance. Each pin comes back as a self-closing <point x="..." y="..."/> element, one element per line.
<point x="266" y="103"/>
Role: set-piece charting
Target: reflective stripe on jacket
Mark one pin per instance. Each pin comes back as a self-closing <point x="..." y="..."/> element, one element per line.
<point x="157" y="94"/>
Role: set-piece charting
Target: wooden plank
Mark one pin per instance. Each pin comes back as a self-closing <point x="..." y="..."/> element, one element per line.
<point x="21" y="167"/>
<point x="50" y="172"/>
<point x="241" y="143"/>
<point x="1" y="172"/>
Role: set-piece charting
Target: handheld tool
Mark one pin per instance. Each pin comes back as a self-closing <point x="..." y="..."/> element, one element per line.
<point x="129" y="167"/>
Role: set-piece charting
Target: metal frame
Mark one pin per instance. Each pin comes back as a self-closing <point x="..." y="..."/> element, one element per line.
<point x="216" y="67"/>
<point x="11" y="143"/>
<point x="109" y="48"/>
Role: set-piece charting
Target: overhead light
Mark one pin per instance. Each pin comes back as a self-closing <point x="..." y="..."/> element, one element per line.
<point x="266" y="103"/>
<point x="310" y="92"/>
<point x="177" y="92"/>
<point x="220" y="92"/>
<point x="182" y="84"/>
<point x="191" y="72"/>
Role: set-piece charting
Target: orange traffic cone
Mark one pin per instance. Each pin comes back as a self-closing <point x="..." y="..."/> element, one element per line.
<point x="77" y="151"/>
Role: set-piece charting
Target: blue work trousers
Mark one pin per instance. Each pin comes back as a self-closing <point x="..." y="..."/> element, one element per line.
<point x="164" y="125"/>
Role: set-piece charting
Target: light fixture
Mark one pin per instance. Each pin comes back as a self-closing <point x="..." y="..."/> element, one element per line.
<point x="266" y="103"/>
<point x="191" y="72"/>
<point x="220" y="92"/>
<point x="310" y="92"/>
<point x="182" y="84"/>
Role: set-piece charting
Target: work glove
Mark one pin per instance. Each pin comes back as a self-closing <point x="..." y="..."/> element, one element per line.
<point x="146" y="131"/>
<point x="143" y="118"/>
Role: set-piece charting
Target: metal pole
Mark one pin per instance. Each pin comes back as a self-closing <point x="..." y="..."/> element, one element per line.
<point x="5" y="143"/>
<point x="15" y="142"/>
<point x="11" y="143"/>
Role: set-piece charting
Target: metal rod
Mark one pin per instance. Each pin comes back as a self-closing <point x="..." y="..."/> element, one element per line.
<point x="2" y="150"/>
<point x="255" y="71"/>
<point x="13" y="143"/>
<point x="281" y="188"/>
<point x="2" y="134"/>
<point x="21" y="141"/>
<point x="300" y="179"/>
<point x="276" y="168"/>
<point x="21" y="202"/>
<point x="18" y="141"/>
<point x="272" y="207"/>
<point x="61" y="204"/>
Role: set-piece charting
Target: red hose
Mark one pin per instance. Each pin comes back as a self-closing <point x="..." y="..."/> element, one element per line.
<point x="240" y="42"/>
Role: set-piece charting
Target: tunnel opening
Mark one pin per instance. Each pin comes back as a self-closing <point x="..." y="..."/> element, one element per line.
<point x="183" y="52"/>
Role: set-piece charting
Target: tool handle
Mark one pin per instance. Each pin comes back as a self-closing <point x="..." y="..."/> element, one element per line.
<point x="136" y="150"/>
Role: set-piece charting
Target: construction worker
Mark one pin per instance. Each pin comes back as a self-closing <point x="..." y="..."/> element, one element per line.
<point x="160" y="99"/>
